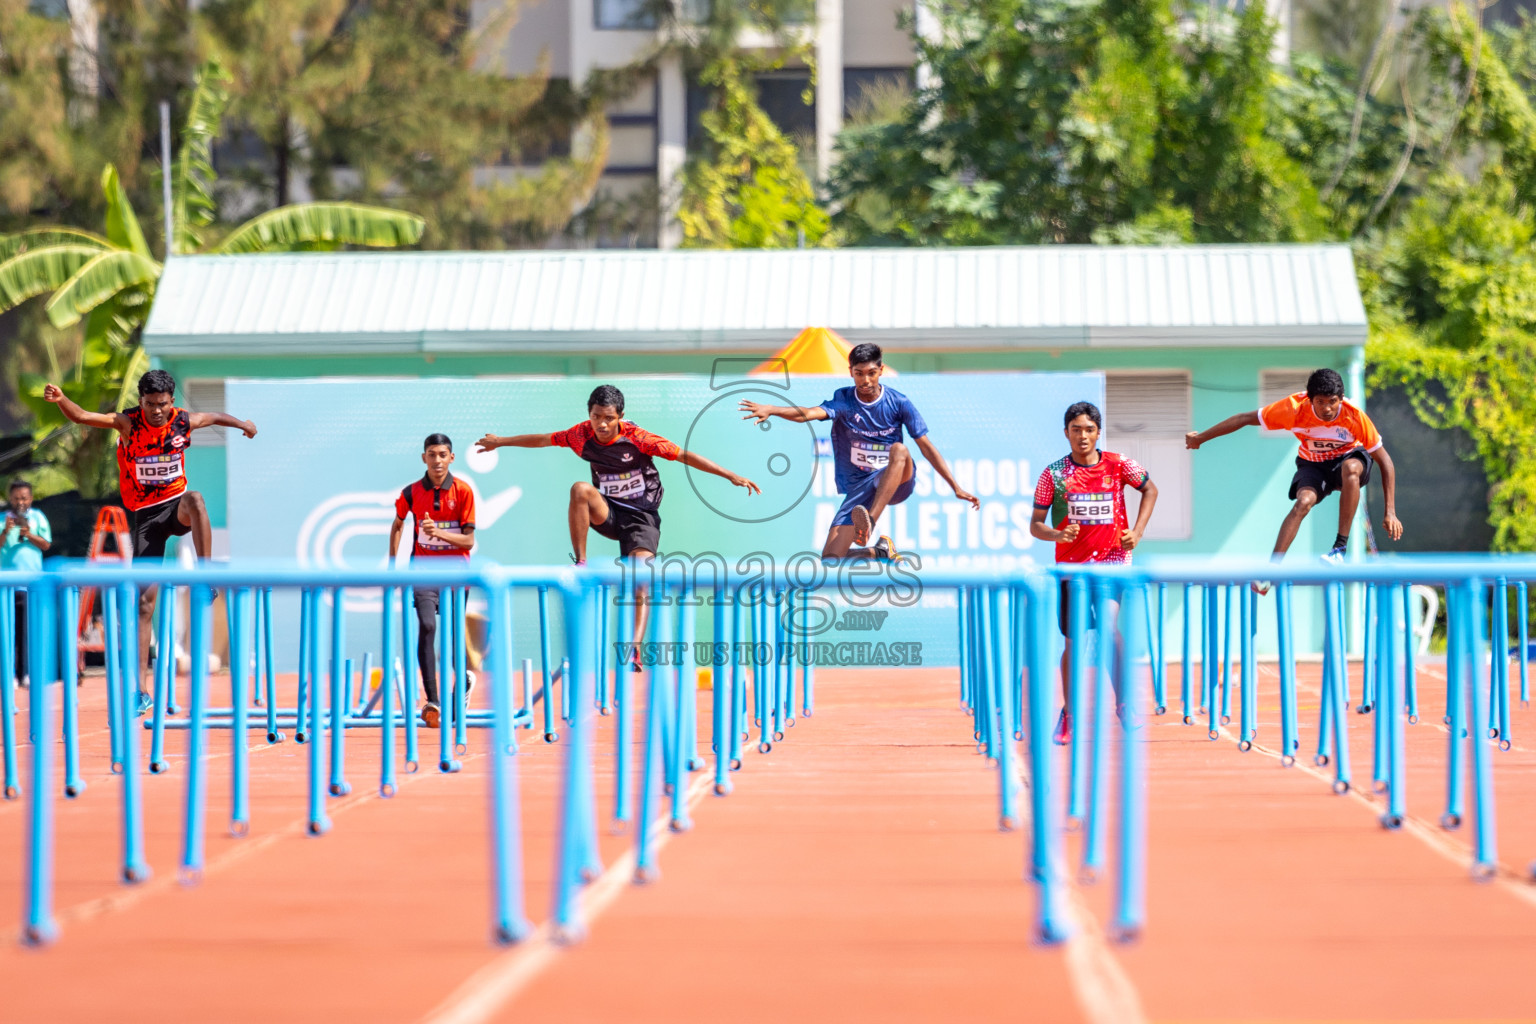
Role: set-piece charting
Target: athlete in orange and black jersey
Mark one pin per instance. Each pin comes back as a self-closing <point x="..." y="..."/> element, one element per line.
<point x="151" y="461"/>
<point x="623" y="500"/>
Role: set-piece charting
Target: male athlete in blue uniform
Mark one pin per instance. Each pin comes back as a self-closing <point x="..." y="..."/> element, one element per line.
<point x="874" y="468"/>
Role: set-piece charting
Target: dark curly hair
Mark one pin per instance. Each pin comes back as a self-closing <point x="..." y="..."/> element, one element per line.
<point x="606" y="394"/>
<point x="157" y="382"/>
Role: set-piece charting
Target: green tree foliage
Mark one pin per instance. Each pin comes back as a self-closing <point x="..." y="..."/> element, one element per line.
<point x="1067" y="120"/>
<point x="1452" y="295"/>
<point x="390" y="102"/>
<point x="1450" y="284"/>
<point x="108" y="280"/>
<point x="745" y="189"/>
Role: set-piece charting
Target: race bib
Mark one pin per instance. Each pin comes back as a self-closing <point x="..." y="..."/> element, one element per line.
<point x="622" y="485"/>
<point x="1091" y="508"/>
<point x="1328" y="447"/>
<point x="436" y="543"/>
<point x="157" y="470"/>
<point x="869" y="455"/>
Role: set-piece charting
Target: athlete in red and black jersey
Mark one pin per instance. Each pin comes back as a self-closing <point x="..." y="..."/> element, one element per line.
<point x="152" y="440"/>
<point x="623" y="501"/>
<point x="1086" y="493"/>
<point x="443" y="507"/>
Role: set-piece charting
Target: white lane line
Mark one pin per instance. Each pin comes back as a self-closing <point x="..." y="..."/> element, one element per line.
<point x="1104" y="991"/>
<point x="489" y="989"/>
<point x="1431" y="836"/>
<point x="244" y="850"/>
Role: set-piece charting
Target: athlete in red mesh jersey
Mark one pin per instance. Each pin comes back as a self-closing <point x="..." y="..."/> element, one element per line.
<point x="152" y="440"/>
<point x="1084" y="495"/>
<point x="623" y="501"/>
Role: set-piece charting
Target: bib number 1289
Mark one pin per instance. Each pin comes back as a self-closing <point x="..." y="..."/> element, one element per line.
<point x="1091" y="509"/>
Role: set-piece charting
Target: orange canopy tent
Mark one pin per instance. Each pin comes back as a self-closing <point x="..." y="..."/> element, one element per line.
<point x="815" y="350"/>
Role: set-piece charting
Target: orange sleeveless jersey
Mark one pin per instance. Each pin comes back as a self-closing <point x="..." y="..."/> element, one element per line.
<point x="151" y="461"/>
<point x="1321" y="441"/>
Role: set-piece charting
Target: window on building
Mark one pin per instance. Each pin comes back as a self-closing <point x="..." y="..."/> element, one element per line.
<point x="866" y="88"/>
<point x="632" y="132"/>
<point x="1146" y="416"/>
<point x="205" y="396"/>
<point x="625" y="14"/>
<point x="781" y="94"/>
<point x="1277" y="384"/>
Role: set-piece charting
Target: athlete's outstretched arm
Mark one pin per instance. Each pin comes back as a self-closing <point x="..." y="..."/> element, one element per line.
<point x="490" y="441"/>
<point x="698" y="461"/>
<point x="75" y="414"/>
<point x="1130" y="538"/>
<point x="1195" y="438"/>
<point x="394" y="538"/>
<point x="1394" y="526"/>
<point x="793" y="413"/>
<point x="199" y="420"/>
<point x="942" y="468"/>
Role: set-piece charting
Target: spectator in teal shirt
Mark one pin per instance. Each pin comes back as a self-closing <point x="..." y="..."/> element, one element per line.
<point x="26" y="535"/>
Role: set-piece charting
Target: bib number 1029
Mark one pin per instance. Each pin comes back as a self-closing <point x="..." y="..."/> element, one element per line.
<point x="159" y="469"/>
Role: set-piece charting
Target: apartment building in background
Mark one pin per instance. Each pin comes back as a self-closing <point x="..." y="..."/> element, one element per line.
<point x="855" y="43"/>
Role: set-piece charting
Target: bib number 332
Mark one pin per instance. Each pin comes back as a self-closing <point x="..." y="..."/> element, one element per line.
<point x="1091" y="509"/>
<point x="872" y="457"/>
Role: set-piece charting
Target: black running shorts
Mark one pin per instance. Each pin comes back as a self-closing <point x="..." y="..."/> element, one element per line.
<point x="634" y="529"/>
<point x="153" y="526"/>
<point x="1327" y="477"/>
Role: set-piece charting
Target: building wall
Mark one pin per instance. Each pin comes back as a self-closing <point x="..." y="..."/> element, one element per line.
<point x="1237" y="485"/>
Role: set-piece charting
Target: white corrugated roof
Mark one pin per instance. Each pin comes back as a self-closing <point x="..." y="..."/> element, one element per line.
<point x="988" y="298"/>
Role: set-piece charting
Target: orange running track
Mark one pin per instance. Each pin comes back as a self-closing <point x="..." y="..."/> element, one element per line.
<point x="855" y="874"/>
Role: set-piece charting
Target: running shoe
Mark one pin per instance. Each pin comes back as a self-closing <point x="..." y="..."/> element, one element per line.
<point x="863" y="525"/>
<point x="1063" y="734"/>
<point x="1261" y="587"/>
<point x="145" y="703"/>
<point x="885" y="551"/>
<point x="469" y="686"/>
<point x="1335" y="556"/>
<point x="431" y="715"/>
<point x="579" y="561"/>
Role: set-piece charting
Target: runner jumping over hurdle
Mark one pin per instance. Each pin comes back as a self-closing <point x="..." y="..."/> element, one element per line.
<point x="443" y="507"/>
<point x="874" y="468"/>
<point x="1336" y="436"/>
<point x="1084" y="493"/>
<point x="623" y="501"/>
<point x="152" y="440"/>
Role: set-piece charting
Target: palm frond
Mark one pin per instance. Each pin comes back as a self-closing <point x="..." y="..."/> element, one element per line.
<point x="36" y="271"/>
<point x="105" y="275"/>
<point x="289" y="227"/>
<point x="192" y="204"/>
<point x="122" y="223"/>
<point x="42" y="238"/>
